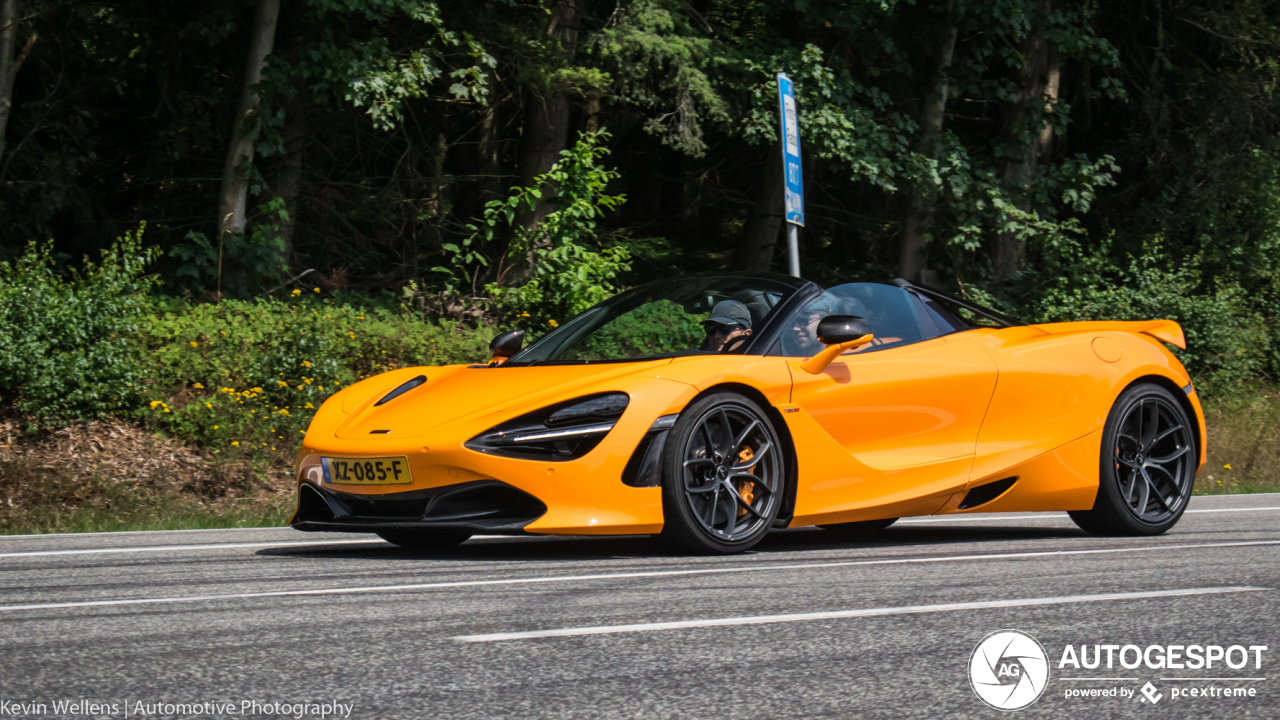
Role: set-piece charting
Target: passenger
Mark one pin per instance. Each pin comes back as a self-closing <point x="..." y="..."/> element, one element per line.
<point x="804" y="327"/>
<point x="727" y="328"/>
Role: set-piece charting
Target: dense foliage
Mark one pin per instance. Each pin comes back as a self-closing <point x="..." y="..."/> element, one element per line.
<point x="1058" y="159"/>
<point x="66" y="347"/>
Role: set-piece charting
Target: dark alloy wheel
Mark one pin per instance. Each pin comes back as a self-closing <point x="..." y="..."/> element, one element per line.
<point x="1148" y="465"/>
<point x="425" y="541"/>
<point x="722" y="476"/>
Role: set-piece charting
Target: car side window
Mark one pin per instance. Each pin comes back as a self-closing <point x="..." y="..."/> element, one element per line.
<point x="946" y="321"/>
<point x="888" y="309"/>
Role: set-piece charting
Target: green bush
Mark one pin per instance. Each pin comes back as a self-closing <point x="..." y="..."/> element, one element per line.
<point x="66" y="346"/>
<point x="246" y="377"/>
<point x="1226" y="338"/>
<point x="562" y="267"/>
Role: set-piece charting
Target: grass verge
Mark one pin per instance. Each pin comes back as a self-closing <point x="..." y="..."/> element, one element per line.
<point x="168" y="514"/>
<point x="1244" y="444"/>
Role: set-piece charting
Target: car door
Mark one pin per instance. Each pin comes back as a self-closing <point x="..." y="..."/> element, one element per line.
<point x="890" y="428"/>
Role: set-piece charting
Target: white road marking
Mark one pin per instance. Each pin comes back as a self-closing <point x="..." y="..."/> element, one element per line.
<point x="622" y="576"/>
<point x="979" y="518"/>
<point x="167" y="548"/>
<point x="840" y="614"/>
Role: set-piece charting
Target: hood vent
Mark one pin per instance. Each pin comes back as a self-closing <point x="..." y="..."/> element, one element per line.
<point x="401" y="390"/>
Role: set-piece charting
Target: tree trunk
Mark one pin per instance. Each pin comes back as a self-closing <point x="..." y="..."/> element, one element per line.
<point x="1038" y="80"/>
<point x="760" y="233"/>
<point x="546" y="117"/>
<point x="919" y="218"/>
<point x="1052" y="86"/>
<point x="289" y="174"/>
<point x="231" y="201"/>
<point x="10" y="60"/>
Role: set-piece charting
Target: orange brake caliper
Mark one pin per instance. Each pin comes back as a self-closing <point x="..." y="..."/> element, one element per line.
<point x="746" y="488"/>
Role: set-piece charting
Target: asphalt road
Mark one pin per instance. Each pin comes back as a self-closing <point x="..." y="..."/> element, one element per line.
<point x="275" y="616"/>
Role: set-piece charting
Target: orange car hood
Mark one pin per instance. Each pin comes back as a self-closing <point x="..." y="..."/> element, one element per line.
<point x="452" y="394"/>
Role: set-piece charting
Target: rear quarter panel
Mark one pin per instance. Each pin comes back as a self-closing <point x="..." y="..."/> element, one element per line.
<point x="1052" y="398"/>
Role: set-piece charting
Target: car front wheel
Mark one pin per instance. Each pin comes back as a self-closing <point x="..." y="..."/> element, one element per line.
<point x="722" y="476"/>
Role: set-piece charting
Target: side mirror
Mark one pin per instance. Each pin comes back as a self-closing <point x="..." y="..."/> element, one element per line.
<point x="838" y="333"/>
<point x="505" y="345"/>
<point x="835" y="329"/>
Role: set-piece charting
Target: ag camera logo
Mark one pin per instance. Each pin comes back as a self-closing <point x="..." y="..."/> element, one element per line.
<point x="1009" y="670"/>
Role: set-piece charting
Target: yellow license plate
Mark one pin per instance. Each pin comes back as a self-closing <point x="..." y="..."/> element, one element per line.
<point x="367" y="471"/>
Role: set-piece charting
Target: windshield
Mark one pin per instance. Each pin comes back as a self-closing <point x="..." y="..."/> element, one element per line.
<point x="886" y="308"/>
<point x="690" y="316"/>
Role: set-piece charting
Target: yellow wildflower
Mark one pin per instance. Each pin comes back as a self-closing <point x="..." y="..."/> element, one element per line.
<point x="306" y="363"/>
<point x="316" y="289"/>
<point x="215" y="427"/>
<point x="198" y="386"/>
<point x="282" y="383"/>
<point x="209" y="405"/>
<point x="195" y="344"/>
<point x="296" y="292"/>
<point x="1227" y="466"/>
<point x="154" y="403"/>
<point x="553" y="323"/>
<point x="310" y="406"/>
<point x="235" y="443"/>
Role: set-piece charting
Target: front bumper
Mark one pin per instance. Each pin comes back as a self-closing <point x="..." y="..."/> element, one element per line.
<point x="486" y="506"/>
<point x="586" y="496"/>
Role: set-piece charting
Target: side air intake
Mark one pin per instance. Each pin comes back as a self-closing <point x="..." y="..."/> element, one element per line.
<point x="984" y="494"/>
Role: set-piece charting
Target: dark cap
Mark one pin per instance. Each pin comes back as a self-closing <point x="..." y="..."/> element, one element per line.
<point x="730" y="312"/>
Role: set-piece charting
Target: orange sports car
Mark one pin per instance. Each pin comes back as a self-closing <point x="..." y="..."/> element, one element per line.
<point x="713" y="409"/>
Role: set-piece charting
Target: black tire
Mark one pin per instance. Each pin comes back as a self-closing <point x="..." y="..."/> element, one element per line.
<point x="718" y="499"/>
<point x="425" y="541"/>
<point x="1148" y="465"/>
<point x="864" y="527"/>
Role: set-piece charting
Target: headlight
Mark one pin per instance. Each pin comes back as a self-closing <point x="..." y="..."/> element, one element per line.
<point x="565" y="431"/>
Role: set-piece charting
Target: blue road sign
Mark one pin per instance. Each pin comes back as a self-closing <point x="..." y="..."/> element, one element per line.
<point x="791" y="151"/>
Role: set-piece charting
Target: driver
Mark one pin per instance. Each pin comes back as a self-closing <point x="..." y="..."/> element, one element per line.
<point x="729" y="321"/>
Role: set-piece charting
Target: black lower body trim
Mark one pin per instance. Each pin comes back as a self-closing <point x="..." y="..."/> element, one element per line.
<point x="486" y="506"/>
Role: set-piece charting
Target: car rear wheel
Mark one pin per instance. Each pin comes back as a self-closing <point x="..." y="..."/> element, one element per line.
<point x="722" y="479"/>
<point x="425" y="541"/>
<point x="864" y="527"/>
<point x="1148" y="465"/>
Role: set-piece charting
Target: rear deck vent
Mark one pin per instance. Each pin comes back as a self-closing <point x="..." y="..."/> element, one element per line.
<point x="984" y="494"/>
<point x="379" y="432"/>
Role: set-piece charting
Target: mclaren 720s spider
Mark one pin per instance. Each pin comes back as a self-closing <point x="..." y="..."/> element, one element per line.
<point x="712" y="409"/>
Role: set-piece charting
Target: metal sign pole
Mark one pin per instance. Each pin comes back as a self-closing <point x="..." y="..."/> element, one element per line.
<point x="793" y="249"/>
<point x="792" y="177"/>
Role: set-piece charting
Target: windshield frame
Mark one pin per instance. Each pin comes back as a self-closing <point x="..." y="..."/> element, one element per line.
<point x="794" y="290"/>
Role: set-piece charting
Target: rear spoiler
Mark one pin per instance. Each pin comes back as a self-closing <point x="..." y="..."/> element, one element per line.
<point x="1163" y="330"/>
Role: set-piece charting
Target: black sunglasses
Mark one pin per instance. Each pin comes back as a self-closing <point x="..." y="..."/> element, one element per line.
<point x="713" y="326"/>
